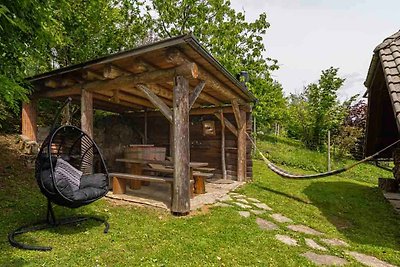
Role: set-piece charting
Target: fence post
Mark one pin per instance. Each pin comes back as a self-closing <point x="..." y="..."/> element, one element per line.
<point x="329" y="151"/>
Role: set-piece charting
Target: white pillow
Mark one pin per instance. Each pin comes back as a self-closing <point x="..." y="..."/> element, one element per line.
<point x="65" y="172"/>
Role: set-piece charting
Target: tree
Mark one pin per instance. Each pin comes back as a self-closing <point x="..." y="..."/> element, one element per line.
<point x="317" y="110"/>
<point x="324" y="108"/>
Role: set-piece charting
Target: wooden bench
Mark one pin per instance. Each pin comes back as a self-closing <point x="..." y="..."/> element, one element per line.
<point x="199" y="178"/>
<point x="120" y="179"/>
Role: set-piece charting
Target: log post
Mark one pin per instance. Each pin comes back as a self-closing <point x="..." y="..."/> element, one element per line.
<point x="87" y="112"/>
<point x="241" y="145"/>
<point x="224" y="176"/>
<point x="28" y="120"/>
<point x="181" y="193"/>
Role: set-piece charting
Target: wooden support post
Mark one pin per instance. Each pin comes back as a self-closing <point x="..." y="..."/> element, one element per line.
<point x="196" y="93"/>
<point x="228" y="124"/>
<point x="181" y="196"/>
<point x="241" y="145"/>
<point x="136" y="169"/>
<point x="28" y="120"/>
<point x="145" y="127"/>
<point x="87" y="112"/>
<point x="157" y="102"/>
<point x="224" y="176"/>
<point x="171" y="140"/>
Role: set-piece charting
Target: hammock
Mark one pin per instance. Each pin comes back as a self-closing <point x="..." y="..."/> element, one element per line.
<point x="286" y="174"/>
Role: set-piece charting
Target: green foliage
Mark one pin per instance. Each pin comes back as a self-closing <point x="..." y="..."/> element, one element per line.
<point x="340" y="207"/>
<point x="347" y="138"/>
<point x="41" y="35"/>
<point x="317" y="110"/>
<point x="236" y="43"/>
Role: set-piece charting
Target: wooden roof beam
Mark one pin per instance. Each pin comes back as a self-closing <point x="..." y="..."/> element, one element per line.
<point x="177" y="58"/>
<point x="227" y="123"/>
<point x="188" y="70"/>
<point x="92" y="76"/>
<point x="165" y="110"/>
<point x="195" y="94"/>
<point x="237" y="113"/>
<point x="204" y="96"/>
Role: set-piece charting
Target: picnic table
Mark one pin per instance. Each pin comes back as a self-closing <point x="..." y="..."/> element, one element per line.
<point x="137" y="166"/>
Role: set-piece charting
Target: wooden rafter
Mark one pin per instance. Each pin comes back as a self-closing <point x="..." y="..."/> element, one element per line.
<point x="177" y="58"/>
<point x="236" y="111"/>
<point x="227" y="123"/>
<point x="156" y="101"/>
<point x="195" y="94"/>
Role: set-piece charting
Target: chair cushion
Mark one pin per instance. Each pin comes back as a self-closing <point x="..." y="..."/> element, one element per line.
<point x="88" y="193"/>
<point x="96" y="180"/>
<point x="65" y="174"/>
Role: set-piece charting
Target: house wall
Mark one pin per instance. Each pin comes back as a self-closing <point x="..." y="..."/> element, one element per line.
<point x="114" y="133"/>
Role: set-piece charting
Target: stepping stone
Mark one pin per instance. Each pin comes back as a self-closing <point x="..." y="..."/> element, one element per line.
<point x="286" y="240"/>
<point x="245" y="214"/>
<point x="253" y="200"/>
<point x="334" y="242"/>
<point x="257" y="212"/>
<point x="225" y="198"/>
<point x="280" y="218"/>
<point x="233" y="194"/>
<point x="314" y="245"/>
<point x="239" y="196"/>
<point x="242" y="200"/>
<point x="369" y="260"/>
<point x="303" y="229"/>
<point x="243" y="206"/>
<point x="219" y="204"/>
<point x="320" y="259"/>
<point x="262" y="206"/>
<point x="266" y="225"/>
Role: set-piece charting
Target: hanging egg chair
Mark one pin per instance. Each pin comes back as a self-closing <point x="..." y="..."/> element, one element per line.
<point x="70" y="172"/>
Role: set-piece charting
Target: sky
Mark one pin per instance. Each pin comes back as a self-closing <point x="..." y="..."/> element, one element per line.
<point x="308" y="36"/>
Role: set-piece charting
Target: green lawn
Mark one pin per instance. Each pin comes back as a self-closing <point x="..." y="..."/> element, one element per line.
<point x="340" y="206"/>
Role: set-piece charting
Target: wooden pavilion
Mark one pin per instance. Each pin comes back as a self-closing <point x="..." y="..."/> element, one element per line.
<point x="172" y="81"/>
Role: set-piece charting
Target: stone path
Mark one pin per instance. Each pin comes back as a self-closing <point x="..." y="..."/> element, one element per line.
<point x="303" y="229"/>
<point x="257" y="212"/>
<point x="320" y="259"/>
<point x="266" y="225"/>
<point x="280" y="218"/>
<point x="245" y="214"/>
<point x="314" y="245"/>
<point x="369" y="260"/>
<point x="286" y="240"/>
<point x="262" y="206"/>
<point x="254" y="206"/>
<point x="334" y="242"/>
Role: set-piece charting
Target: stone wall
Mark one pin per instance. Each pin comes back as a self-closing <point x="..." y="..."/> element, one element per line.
<point x="112" y="134"/>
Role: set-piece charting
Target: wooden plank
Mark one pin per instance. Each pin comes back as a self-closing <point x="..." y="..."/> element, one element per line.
<point x="181" y="192"/>
<point x="236" y="112"/>
<point x="228" y="124"/>
<point x="188" y="70"/>
<point x="176" y="57"/>
<point x="156" y="101"/>
<point x="87" y="112"/>
<point x="29" y="119"/>
<point x="195" y="94"/>
<point x="241" y="145"/>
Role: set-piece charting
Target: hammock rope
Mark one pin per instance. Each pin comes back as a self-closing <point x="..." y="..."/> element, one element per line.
<point x="285" y="174"/>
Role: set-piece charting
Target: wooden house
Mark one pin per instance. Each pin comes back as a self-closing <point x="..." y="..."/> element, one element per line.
<point x="180" y="96"/>
<point x="383" y="91"/>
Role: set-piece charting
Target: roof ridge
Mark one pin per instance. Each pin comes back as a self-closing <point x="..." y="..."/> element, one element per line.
<point x="387" y="41"/>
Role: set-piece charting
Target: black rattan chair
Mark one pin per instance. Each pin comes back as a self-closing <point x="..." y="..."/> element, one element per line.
<point x="71" y="146"/>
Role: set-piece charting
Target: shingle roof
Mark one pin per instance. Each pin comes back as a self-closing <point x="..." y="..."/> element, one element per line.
<point x="388" y="54"/>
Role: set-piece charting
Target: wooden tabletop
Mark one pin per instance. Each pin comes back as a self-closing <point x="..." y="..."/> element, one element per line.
<point x="163" y="162"/>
